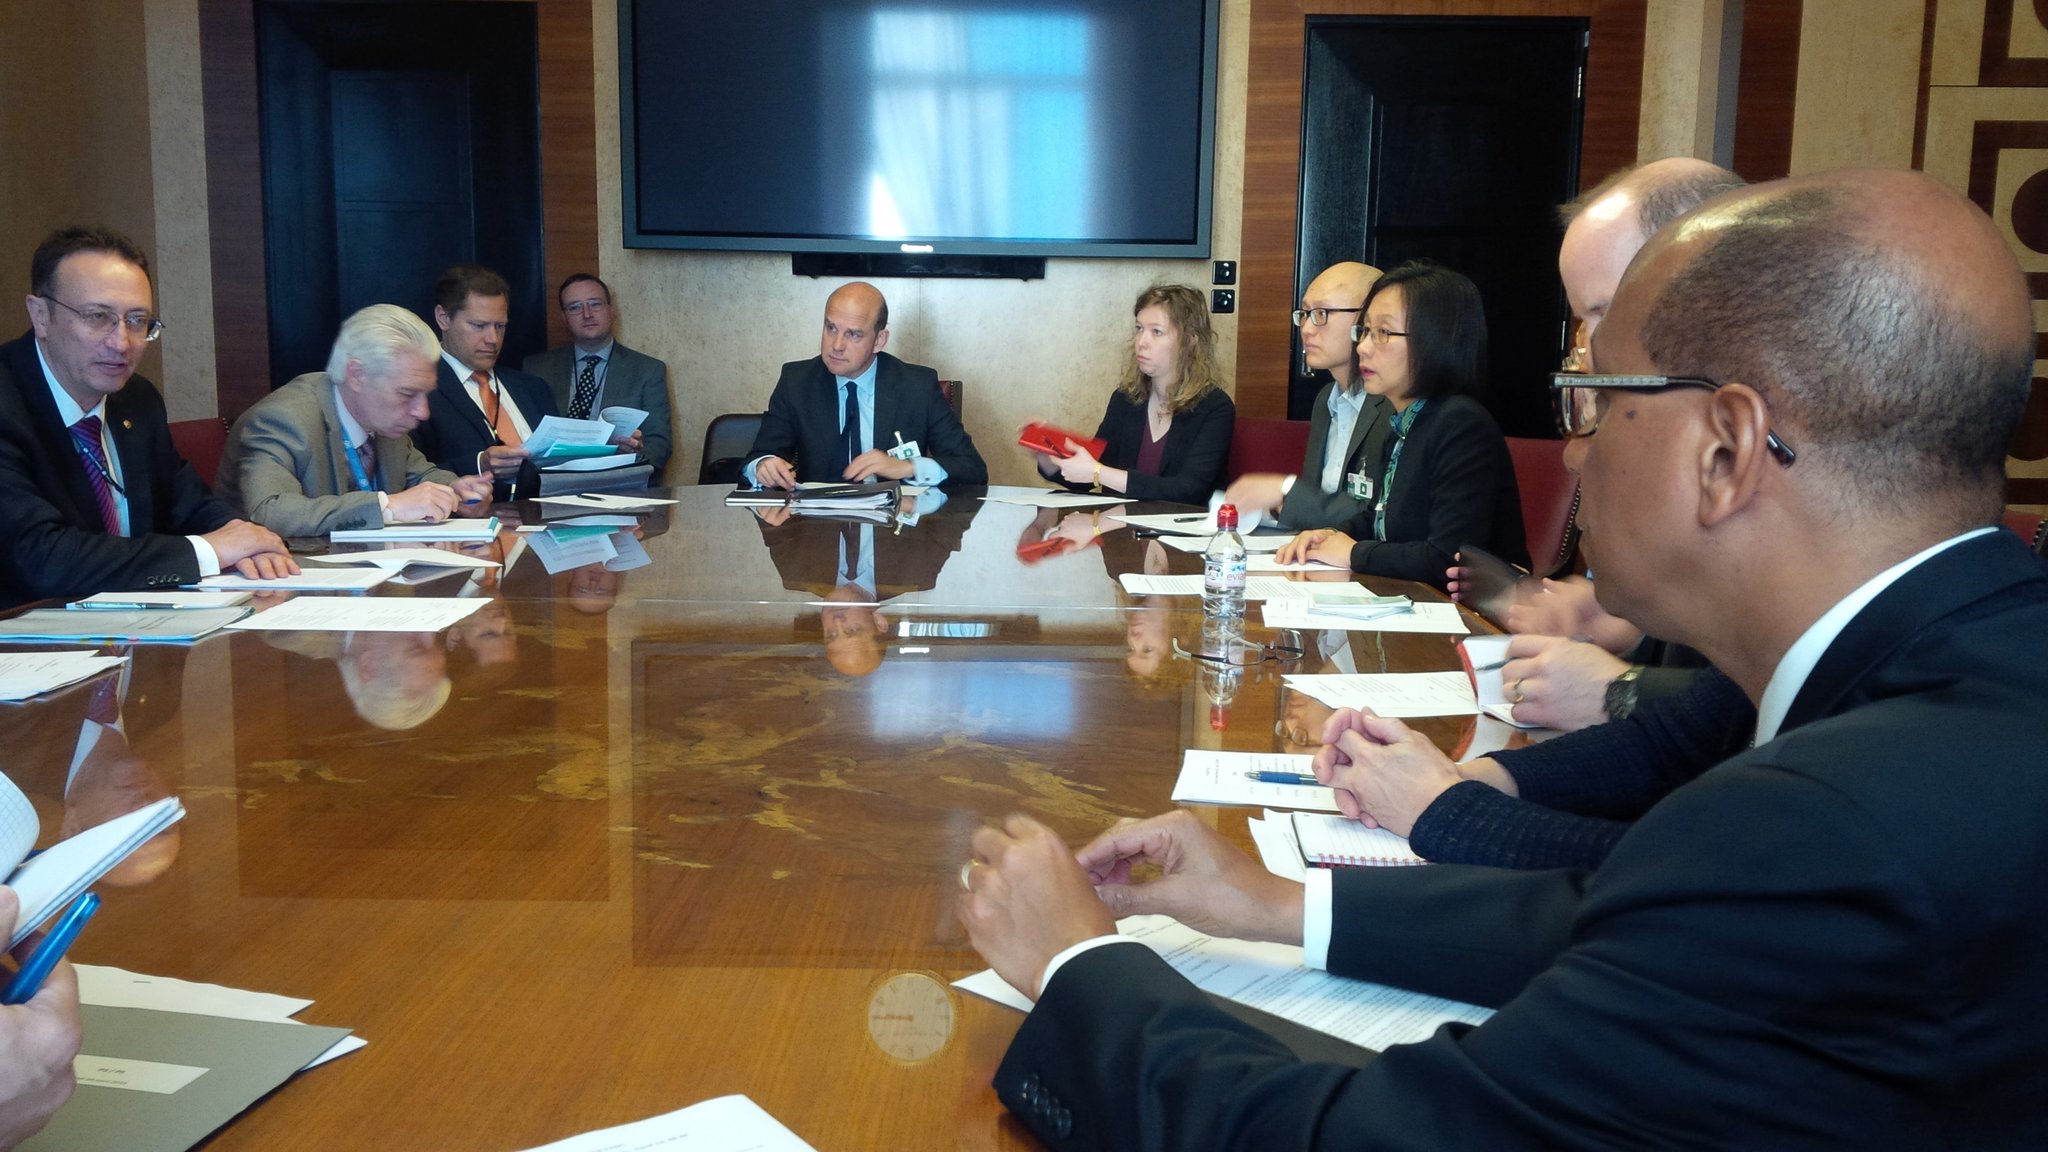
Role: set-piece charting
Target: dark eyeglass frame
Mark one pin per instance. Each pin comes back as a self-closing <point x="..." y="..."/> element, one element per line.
<point x="1566" y="388"/>
<point x="1380" y="336"/>
<point x="100" y="321"/>
<point x="1321" y="316"/>
<point x="1280" y="652"/>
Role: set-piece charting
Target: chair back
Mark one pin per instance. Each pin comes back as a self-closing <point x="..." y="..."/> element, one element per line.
<point x="951" y="390"/>
<point x="201" y="443"/>
<point x="1548" y="497"/>
<point x="1261" y="445"/>
<point x="725" y="447"/>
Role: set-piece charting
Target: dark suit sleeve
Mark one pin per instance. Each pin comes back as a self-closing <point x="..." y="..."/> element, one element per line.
<point x="781" y="432"/>
<point x="1307" y="505"/>
<point x="1446" y="495"/>
<point x="946" y="441"/>
<point x="1191" y="474"/>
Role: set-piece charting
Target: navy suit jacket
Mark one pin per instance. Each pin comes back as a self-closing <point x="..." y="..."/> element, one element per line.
<point x="1834" y="940"/>
<point x="801" y="424"/>
<point x="52" y="541"/>
<point x="455" y="431"/>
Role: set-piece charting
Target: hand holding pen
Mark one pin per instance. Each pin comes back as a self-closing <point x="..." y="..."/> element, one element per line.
<point x="38" y="1040"/>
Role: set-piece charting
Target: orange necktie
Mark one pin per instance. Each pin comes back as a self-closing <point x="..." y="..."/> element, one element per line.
<point x="494" y="411"/>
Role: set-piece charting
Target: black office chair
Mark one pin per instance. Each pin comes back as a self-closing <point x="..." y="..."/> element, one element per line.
<point x="725" y="447"/>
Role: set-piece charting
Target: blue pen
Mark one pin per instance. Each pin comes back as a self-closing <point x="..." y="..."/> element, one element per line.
<point x="1281" y="778"/>
<point x="44" y="959"/>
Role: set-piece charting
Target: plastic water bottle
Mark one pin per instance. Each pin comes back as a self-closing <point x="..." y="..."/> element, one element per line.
<point x="1223" y="569"/>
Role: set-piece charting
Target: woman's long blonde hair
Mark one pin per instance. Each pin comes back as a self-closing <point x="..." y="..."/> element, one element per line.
<point x="1194" y="359"/>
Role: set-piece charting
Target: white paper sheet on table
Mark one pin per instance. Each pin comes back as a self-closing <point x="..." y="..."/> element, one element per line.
<point x="1211" y="777"/>
<point x="1299" y="612"/>
<point x="353" y="614"/>
<point x="608" y="501"/>
<point x="1252" y="544"/>
<point x="26" y="674"/>
<point x="1185" y="523"/>
<point x="1255" y="587"/>
<point x="1486" y="655"/>
<point x="1273" y="564"/>
<point x="1272" y="978"/>
<point x="474" y="530"/>
<point x="334" y="578"/>
<point x="1049" y="497"/>
<point x="725" y="1124"/>
<point x="1279" y="849"/>
<point x="396" y="558"/>
<point x="1398" y="695"/>
<point x="119" y="600"/>
<point x="120" y="988"/>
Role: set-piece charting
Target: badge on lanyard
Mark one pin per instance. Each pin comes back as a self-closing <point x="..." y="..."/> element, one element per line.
<point x="1358" y="485"/>
<point x="904" y="449"/>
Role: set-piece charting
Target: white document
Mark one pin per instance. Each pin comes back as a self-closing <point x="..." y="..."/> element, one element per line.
<point x="120" y="988"/>
<point x="725" y="1124"/>
<point x="396" y="558"/>
<point x="161" y="600"/>
<point x="559" y="553"/>
<point x="1252" y="545"/>
<point x="1398" y="695"/>
<point x="354" y="614"/>
<point x="1049" y="497"/>
<point x="27" y="674"/>
<point x="1255" y="587"/>
<point x="561" y="432"/>
<point x="1486" y="654"/>
<point x="470" y="528"/>
<point x="1272" y="978"/>
<point x="631" y="553"/>
<point x="1188" y="524"/>
<point x="1301" y="612"/>
<point x="589" y="463"/>
<point x="309" y="579"/>
<point x="1273" y="564"/>
<point x="624" y="421"/>
<point x="1279" y="850"/>
<point x="1210" y="777"/>
<point x="605" y="501"/>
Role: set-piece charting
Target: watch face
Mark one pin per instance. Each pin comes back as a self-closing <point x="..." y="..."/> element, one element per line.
<point x="1621" y="696"/>
<point x="910" y="1017"/>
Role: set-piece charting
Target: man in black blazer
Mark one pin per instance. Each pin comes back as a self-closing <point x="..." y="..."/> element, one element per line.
<point x="480" y="415"/>
<point x="596" y="372"/>
<point x="1832" y="939"/>
<point x="1335" y="481"/>
<point x="93" y="496"/>
<point x="805" y="435"/>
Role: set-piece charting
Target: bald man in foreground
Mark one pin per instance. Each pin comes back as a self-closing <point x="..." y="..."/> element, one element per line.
<point x="837" y="416"/>
<point x="1346" y="426"/>
<point x="1832" y="940"/>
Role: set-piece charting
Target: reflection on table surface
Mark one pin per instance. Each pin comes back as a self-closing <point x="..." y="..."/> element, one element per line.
<point x="629" y="838"/>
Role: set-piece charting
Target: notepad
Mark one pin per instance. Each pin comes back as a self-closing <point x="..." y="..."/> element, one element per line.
<point x="26" y="674"/>
<point x="56" y="876"/>
<point x="1335" y="841"/>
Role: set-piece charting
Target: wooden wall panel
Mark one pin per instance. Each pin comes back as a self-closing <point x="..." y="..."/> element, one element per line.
<point x="568" y="147"/>
<point x="1272" y="158"/>
<point x="1766" y="88"/>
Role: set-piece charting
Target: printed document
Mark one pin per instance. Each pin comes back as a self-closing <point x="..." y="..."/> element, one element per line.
<point x="1399" y="695"/>
<point x="1210" y="777"/>
<point x="1255" y="587"/>
<point x="354" y="614"/>
<point x="1301" y="612"/>
<point x="26" y="674"/>
<point x="1049" y="497"/>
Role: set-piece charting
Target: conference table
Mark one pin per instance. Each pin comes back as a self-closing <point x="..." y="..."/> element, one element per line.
<point x="676" y="823"/>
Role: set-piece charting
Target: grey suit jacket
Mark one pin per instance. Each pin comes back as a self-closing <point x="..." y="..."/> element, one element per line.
<point x="631" y="379"/>
<point x="1307" y="505"/>
<point x="284" y="466"/>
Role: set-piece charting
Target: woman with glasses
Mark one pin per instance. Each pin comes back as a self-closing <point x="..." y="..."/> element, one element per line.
<point x="1445" y="478"/>
<point x="1167" y="428"/>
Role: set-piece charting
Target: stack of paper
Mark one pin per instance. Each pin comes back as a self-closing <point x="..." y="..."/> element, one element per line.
<point x="115" y="625"/>
<point x="603" y="501"/>
<point x="26" y="674"/>
<point x="100" y="600"/>
<point x="460" y="528"/>
<point x="1334" y="840"/>
<point x="397" y="558"/>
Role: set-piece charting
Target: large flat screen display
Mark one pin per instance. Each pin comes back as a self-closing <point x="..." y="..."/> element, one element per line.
<point x="972" y="127"/>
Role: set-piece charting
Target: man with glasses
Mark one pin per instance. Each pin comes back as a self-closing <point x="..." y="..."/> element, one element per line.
<point x="93" y="495"/>
<point x="480" y="415"/>
<point x="1347" y="427"/>
<point x="596" y="372"/>
<point x="1831" y="940"/>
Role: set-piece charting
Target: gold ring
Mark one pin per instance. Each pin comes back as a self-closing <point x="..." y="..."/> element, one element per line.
<point x="1515" y="691"/>
<point x="966" y="870"/>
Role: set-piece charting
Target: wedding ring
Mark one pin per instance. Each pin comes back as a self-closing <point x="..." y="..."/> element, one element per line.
<point x="1514" y="695"/>
<point x="966" y="870"/>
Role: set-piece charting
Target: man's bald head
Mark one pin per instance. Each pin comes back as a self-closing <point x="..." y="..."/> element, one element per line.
<point x="856" y="328"/>
<point x="1327" y="346"/>
<point x="1605" y="227"/>
<point x="1881" y="315"/>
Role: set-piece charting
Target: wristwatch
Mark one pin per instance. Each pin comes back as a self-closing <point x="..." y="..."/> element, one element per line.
<point x="1622" y="693"/>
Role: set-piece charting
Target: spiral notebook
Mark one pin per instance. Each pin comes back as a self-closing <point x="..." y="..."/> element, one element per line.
<point x="1333" y="840"/>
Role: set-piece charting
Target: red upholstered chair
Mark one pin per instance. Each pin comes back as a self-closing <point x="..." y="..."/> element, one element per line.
<point x="2026" y="525"/>
<point x="201" y="443"/>
<point x="1258" y="445"/>
<point x="952" y="390"/>
<point x="1547" y="488"/>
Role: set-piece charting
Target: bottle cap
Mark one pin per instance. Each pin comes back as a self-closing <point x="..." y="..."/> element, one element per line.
<point x="1219" y="716"/>
<point x="1226" y="518"/>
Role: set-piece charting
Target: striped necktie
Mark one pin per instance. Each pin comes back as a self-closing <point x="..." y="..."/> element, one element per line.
<point x="86" y="436"/>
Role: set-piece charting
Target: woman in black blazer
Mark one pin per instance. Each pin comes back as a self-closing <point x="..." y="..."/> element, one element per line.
<point x="1446" y="479"/>
<point x="1168" y="424"/>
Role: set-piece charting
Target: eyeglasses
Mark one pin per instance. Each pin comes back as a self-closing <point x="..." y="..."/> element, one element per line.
<point x="1318" y="316"/>
<point x="578" y="307"/>
<point x="101" y="321"/>
<point x="1287" y="647"/>
<point x="1380" y="336"/>
<point x="1582" y="402"/>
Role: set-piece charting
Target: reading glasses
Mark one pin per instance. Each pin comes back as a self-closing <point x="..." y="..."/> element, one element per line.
<point x="1583" y="399"/>
<point x="101" y="321"/>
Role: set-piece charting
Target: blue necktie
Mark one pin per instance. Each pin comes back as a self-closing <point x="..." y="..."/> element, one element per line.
<point x="849" y="431"/>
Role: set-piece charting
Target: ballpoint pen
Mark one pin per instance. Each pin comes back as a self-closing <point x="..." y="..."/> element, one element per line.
<point x="38" y="966"/>
<point x="1281" y="778"/>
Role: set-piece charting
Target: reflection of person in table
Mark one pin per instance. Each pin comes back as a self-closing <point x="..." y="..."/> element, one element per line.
<point x="395" y="680"/>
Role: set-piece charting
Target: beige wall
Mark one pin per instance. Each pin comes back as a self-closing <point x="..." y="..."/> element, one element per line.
<point x="1051" y="348"/>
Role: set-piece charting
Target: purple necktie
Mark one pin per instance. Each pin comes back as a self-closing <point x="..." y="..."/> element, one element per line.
<point x="86" y="435"/>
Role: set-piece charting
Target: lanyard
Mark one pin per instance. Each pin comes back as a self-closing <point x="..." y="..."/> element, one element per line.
<point x="1402" y="424"/>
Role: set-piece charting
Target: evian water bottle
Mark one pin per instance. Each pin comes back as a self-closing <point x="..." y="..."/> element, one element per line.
<point x="1223" y="569"/>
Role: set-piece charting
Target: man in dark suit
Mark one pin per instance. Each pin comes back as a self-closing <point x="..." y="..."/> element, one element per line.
<point x="1335" y="482"/>
<point x="836" y="417"/>
<point x="1829" y="940"/>
<point x="480" y="416"/>
<point x="93" y="496"/>
<point x="597" y="372"/>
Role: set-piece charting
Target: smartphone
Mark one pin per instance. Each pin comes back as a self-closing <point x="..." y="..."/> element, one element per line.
<point x="1490" y="585"/>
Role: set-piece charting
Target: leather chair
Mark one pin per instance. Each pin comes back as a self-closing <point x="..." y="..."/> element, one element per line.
<point x="1260" y="445"/>
<point x="726" y="441"/>
<point x="951" y="390"/>
<point x="201" y="443"/>
<point x="1549" y="498"/>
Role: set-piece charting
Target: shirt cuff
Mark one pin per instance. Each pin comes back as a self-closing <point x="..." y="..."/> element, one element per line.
<point x="1287" y="485"/>
<point x="384" y="506"/>
<point x="927" y="472"/>
<point x="1316" y="914"/>
<point x="747" y="471"/>
<point x="209" y="560"/>
<point x="1053" y="965"/>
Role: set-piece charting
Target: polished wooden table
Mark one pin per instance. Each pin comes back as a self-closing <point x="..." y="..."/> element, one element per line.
<point x="660" y="834"/>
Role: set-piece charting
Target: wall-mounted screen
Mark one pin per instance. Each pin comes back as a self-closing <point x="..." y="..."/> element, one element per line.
<point x="971" y="127"/>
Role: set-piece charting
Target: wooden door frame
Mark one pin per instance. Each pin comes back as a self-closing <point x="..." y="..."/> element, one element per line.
<point x="1272" y="148"/>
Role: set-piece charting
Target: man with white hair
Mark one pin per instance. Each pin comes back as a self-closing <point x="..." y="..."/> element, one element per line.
<point x="330" y="450"/>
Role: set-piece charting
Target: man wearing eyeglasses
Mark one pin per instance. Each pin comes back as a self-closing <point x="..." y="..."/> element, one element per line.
<point x="1831" y="940"/>
<point x="596" y="372"/>
<point x="93" y="496"/>
<point x="1347" y="427"/>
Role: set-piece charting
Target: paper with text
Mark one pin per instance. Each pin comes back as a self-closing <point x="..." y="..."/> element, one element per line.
<point x="335" y="578"/>
<point x="27" y="674"/>
<point x="352" y="614"/>
<point x="1212" y="777"/>
<point x="1437" y="617"/>
<point x="1049" y="497"/>
<point x="1399" y="695"/>
<point x="1255" y="587"/>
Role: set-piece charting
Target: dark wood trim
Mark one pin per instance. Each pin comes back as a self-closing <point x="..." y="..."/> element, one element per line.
<point x="1927" y="22"/>
<point x="568" y="147"/>
<point x="1766" y="88"/>
<point x="1272" y="149"/>
<point x="1997" y="67"/>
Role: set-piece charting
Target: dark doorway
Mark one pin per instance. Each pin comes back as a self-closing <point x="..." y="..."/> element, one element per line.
<point x="1454" y="139"/>
<point x="397" y="139"/>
